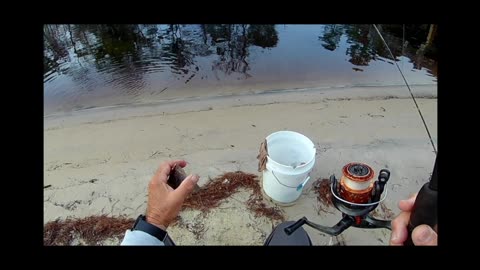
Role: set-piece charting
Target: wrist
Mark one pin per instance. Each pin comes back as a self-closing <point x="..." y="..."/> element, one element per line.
<point x="156" y="222"/>
<point x="141" y="224"/>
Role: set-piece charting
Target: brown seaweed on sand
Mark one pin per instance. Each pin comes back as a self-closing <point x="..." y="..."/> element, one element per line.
<point x="91" y="230"/>
<point x="383" y="213"/>
<point x="324" y="194"/>
<point x="227" y="184"/>
<point x="262" y="156"/>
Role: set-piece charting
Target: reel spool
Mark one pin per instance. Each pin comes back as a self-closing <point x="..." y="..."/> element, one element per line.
<point x="356" y="183"/>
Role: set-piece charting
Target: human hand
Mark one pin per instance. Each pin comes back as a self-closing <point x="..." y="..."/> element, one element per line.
<point x="422" y="235"/>
<point x="164" y="203"/>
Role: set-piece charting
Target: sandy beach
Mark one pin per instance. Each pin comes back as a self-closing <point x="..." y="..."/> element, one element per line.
<point x="99" y="160"/>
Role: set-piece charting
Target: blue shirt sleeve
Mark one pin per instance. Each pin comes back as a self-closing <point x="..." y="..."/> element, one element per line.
<point x="139" y="238"/>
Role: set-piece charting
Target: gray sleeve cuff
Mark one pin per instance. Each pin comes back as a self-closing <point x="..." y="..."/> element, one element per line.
<point x="139" y="238"/>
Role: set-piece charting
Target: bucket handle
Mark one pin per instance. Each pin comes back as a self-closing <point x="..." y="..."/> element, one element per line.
<point x="298" y="188"/>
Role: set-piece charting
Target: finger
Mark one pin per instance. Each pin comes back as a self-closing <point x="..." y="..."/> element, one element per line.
<point x="164" y="169"/>
<point x="399" y="229"/>
<point x="407" y="205"/>
<point x="182" y="163"/>
<point x="170" y="163"/>
<point x="424" y="235"/>
<point x="185" y="188"/>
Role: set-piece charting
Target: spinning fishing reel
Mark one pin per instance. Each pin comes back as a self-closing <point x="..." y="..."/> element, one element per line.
<point x="355" y="195"/>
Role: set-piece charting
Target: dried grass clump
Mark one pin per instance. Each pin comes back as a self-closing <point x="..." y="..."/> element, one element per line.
<point x="227" y="184"/>
<point x="91" y="230"/>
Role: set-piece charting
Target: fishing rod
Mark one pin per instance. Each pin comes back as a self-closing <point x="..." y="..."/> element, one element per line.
<point x="408" y="86"/>
<point x="424" y="210"/>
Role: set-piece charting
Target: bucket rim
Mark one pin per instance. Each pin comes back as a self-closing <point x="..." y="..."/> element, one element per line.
<point x="289" y="166"/>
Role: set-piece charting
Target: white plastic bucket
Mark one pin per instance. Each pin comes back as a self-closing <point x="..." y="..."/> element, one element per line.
<point x="291" y="157"/>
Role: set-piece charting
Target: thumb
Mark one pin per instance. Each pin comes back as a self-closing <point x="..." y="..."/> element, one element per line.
<point x="424" y="235"/>
<point x="186" y="187"/>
